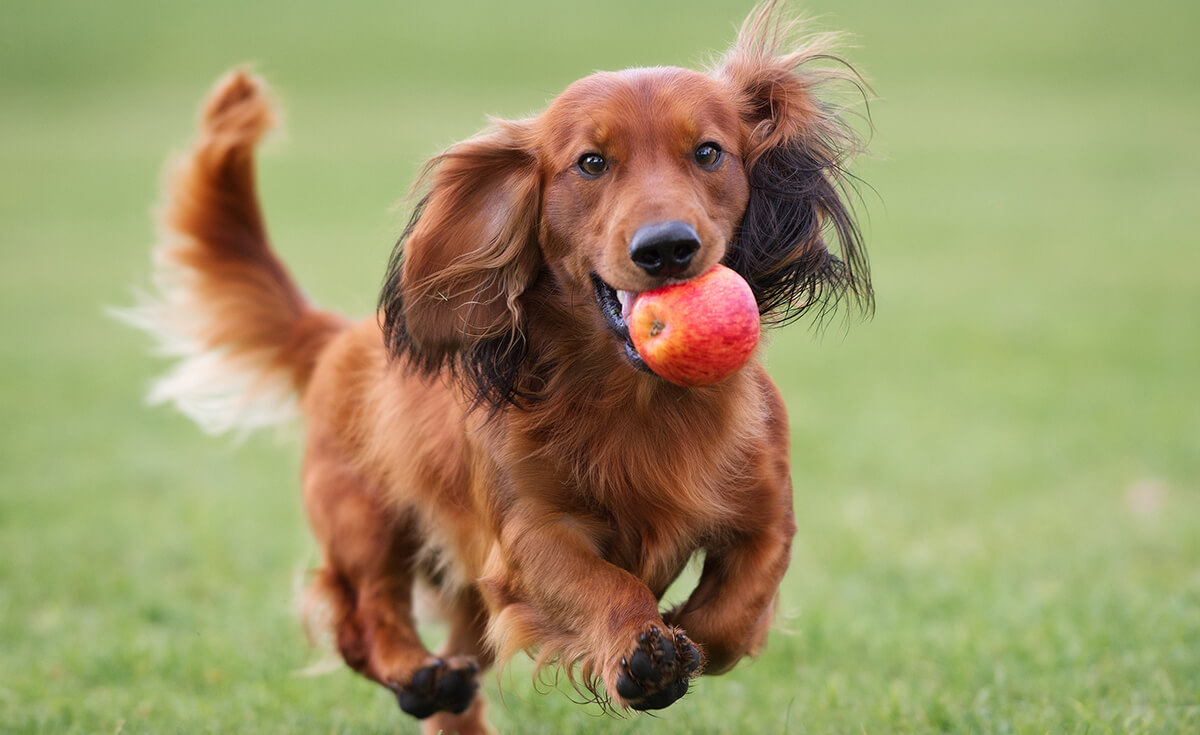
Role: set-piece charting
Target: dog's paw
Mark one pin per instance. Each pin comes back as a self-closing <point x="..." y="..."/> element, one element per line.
<point x="442" y="686"/>
<point x="657" y="672"/>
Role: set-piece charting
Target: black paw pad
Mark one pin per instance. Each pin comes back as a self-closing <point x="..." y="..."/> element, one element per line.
<point x="441" y="686"/>
<point x="657" y="672"/>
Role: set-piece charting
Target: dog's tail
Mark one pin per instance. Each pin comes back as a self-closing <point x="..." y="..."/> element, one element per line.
<point x="245" y="337"/>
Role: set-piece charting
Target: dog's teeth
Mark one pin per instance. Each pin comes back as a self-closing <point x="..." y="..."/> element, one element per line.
<point x="626" y="298"/>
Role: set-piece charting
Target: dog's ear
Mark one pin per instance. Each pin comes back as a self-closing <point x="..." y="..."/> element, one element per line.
<point x="452" y="293"/>
<point x="795" y="151"/>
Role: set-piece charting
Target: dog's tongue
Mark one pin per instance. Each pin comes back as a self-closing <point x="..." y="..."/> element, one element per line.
<point x="626" y="298"/>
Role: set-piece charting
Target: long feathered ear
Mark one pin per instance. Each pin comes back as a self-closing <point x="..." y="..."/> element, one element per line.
<point x="452" y="294"/>
<point x="796" y="150"/>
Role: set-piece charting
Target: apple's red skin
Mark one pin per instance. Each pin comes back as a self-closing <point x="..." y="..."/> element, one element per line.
<point x="698" y="332"/>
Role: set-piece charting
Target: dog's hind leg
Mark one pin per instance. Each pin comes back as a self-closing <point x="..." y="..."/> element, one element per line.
<point x="468" y="620"/>
<point x="467" y="617"/>
<point x="369" y="553"/>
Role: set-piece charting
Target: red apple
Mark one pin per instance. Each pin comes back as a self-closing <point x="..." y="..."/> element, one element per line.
<point x="698" y="332"/>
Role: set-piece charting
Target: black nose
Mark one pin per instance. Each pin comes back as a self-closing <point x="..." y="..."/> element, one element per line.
<point x="664" y="249"/>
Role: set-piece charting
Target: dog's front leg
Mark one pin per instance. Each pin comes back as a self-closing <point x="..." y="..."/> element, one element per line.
<point x="549" y="588"/>
<point x="730" y="610"/>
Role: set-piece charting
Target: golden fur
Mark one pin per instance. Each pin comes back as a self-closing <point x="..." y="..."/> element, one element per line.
<point x="487" y="433"/>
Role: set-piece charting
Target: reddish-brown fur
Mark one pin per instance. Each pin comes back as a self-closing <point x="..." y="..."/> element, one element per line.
<point x="552" y="522"/>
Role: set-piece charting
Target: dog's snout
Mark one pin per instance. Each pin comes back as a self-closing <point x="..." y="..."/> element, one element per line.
<point x="664" y="249"/>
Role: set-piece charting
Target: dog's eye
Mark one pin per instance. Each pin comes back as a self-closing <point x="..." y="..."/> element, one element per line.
<point x="708" y="155"/>
<point x="592" y="164"/>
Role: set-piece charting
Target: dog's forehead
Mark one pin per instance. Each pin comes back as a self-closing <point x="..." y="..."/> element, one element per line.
<point x="613" y="106"/>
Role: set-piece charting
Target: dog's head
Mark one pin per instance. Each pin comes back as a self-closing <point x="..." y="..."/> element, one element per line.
<point x="627" y="181"/>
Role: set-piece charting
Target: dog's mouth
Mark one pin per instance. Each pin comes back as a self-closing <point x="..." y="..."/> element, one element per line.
<point x="615" y="306"/>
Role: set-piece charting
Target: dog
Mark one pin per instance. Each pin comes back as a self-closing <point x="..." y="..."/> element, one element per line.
<point x="493" y="432"/>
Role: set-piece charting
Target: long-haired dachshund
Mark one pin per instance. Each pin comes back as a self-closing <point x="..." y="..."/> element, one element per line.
<point x="493" y="433"/>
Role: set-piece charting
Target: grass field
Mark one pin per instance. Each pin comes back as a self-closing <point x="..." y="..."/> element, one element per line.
<point x="997" y="478"/>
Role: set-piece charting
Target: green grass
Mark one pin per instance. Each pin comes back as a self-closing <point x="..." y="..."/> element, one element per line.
<point x="997" y="478"/>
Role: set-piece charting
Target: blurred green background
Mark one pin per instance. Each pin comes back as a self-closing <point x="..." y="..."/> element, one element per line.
<point x="997" y="478"/>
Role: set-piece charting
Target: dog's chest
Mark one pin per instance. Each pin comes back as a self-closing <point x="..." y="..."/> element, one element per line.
<point x="655" y="497"/>
<point x="655" y="476"/>
<point x="652" y="549"/>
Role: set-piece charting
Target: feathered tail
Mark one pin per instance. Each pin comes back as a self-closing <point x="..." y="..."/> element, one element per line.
<point x="245" y="337"/>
